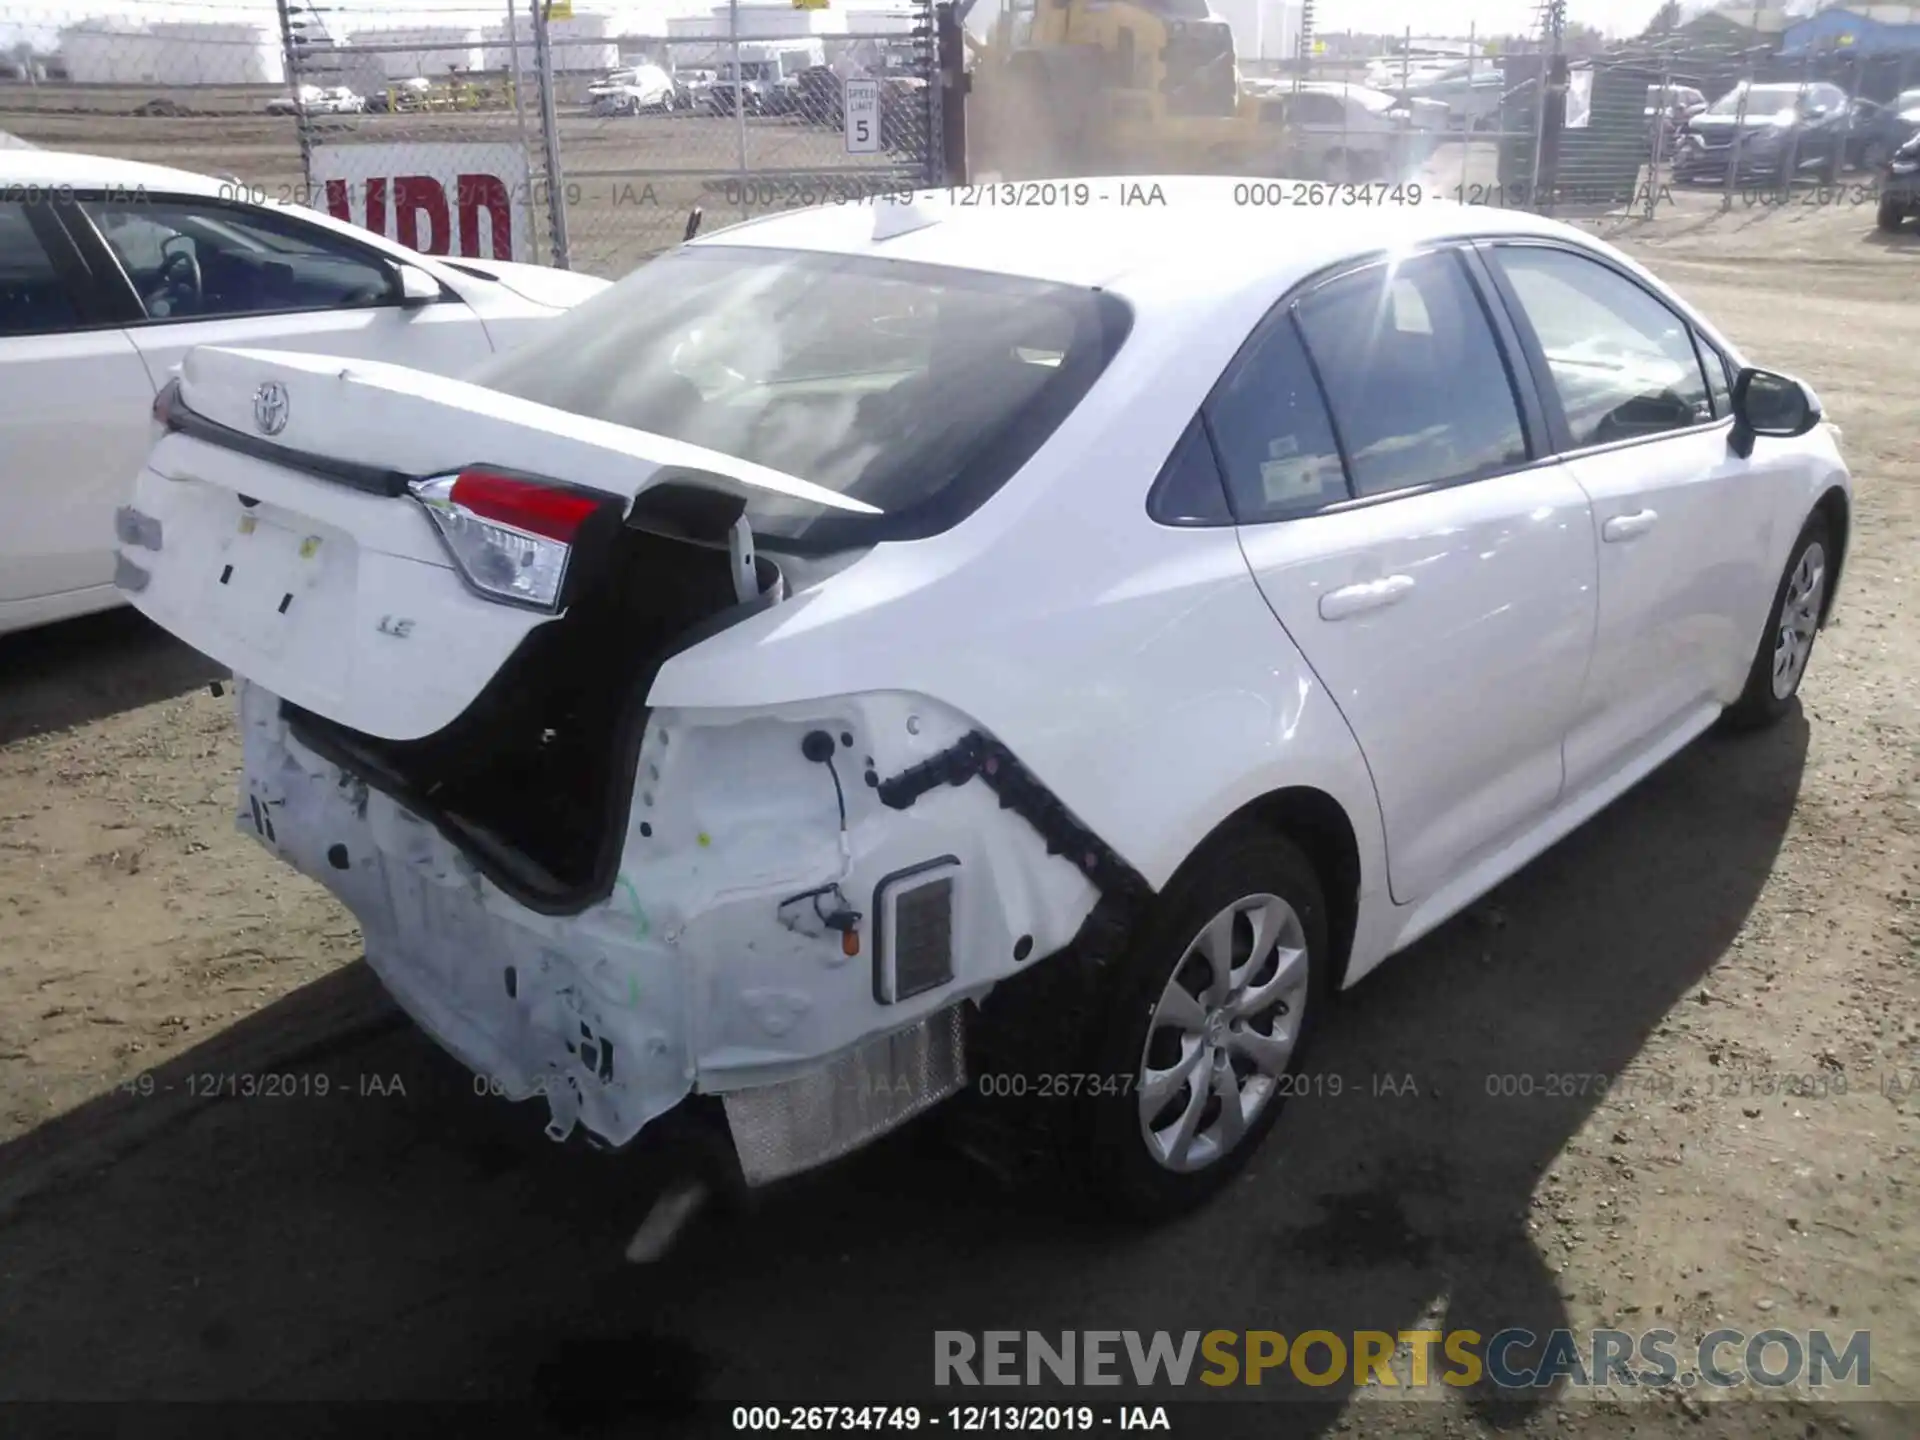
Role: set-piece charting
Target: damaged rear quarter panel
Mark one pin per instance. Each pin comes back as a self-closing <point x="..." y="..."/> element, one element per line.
<point x="736" y="821"/>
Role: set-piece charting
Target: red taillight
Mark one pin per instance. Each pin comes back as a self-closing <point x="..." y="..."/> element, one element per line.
<point x="510" y="536"/>
<point x="529" y="505"/>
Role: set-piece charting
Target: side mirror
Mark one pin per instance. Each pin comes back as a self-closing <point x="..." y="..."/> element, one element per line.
<point x="417" y="288"/>
<point x="1766" y="403"/>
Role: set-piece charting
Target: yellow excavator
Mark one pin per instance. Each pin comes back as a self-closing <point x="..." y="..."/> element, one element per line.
<point x="1085" y="87"/>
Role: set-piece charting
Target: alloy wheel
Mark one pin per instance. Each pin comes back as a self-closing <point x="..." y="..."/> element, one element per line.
<point x="1799" y="619"/>
<point x="1223" y="1032"/>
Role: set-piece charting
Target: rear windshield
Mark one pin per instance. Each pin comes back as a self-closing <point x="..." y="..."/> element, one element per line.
<point x="917" y="389"/>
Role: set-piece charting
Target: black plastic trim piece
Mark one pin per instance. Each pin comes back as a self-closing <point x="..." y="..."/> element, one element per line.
<point x="1019" y="791"/>
<point x="373" y="479"/>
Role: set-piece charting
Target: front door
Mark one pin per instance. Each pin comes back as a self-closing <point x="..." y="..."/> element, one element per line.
<point x="75" y="423"/>
<point x="1683" y="523"/>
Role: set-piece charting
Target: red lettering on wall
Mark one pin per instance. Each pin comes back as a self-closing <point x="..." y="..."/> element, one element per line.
<point x="377" y="206"/>
<point x="418" y="195"/>
<point x="489" y="193"/>
<point x="414" y="196"/>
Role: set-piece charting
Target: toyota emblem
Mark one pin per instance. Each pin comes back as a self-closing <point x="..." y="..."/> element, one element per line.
<point x="270" y="407"/>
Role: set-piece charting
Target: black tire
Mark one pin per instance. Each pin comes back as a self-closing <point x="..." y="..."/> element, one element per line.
<point x="1113" y="1167"/>
<point x="1760" y="704"/>
<point x="1890" y="214"/>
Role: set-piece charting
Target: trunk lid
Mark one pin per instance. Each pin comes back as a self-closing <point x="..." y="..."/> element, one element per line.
<point x="275" y="532"/>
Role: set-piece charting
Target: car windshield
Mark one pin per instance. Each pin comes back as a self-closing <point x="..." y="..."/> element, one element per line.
<point x="914" y="388"/>
<point x="751" y="70"/>
<point x="1766" y="99"/>
<point x="1376" y="101"/>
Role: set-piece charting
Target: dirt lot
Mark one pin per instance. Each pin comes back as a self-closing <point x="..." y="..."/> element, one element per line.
<point x="1743" y="925"/>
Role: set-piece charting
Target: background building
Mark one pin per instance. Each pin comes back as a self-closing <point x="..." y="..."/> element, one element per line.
<point x="109" y="51"/>
<point x="433" y="51"/>
<point x="1262" y="29"/>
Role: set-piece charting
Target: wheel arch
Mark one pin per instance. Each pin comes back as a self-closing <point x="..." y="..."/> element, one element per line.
<point x="1835" y="509"/>
<point x="1318" y="823"/>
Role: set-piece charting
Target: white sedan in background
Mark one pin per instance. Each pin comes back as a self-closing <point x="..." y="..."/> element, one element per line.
<point x="874" y="646"/>
<point x="111" y="271"/>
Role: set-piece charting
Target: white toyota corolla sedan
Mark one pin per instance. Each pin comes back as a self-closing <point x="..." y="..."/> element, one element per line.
<point x="110" y="271"/>
<point x="879" y="650"/>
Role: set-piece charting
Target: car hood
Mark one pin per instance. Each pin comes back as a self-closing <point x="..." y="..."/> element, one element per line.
<point x="542" y="284"/>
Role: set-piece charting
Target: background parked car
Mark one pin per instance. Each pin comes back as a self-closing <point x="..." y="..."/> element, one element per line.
<point x="1900" y="185"/>
<point x="1880" y="130"/>
<point x="308" y="96"/>
<point x="101" y="297"/>
<point x="696" y="85"/>
<point x="1784" y="131"/>
<point x="1471" y="94"/>
<point x="636" y="89"/>
<point x="406" y="95"/>
<point x="1349" y="134"/>
<point x="339" y="100"/>
<point x="1667" y="111"/>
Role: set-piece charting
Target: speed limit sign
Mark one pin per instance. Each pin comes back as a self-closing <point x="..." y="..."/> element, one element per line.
<point x="863" y="117"/>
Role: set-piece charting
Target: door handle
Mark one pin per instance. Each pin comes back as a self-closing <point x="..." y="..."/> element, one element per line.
<point x="1357" y="599"/>
<point x="1627" y="527"/>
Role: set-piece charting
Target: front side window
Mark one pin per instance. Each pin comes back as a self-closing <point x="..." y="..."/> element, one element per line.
<point x="34" y="300"/>
<point x="199" y="260"/>
<point x="914" y="388"/>
<point x="1419" y="390"/>
<point x="1623" y="364"/>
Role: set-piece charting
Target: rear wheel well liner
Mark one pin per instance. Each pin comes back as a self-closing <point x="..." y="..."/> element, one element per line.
<point x="1320" y="826"/>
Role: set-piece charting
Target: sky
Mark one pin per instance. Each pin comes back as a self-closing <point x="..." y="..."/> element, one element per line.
<point x="38" y="21"/>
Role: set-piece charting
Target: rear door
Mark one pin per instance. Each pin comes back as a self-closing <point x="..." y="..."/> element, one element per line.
<point x="1380" y="447"/>
<point x="203" y="271"/>
<point x="1684" y="524"/>
<point x="74" y="421"/>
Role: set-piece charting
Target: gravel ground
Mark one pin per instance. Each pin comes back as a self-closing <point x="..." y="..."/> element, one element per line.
<point x="1721" y="968"/>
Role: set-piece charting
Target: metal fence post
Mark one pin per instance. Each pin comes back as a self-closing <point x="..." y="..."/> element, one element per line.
<point x="739" y="104"/>
<point x="1739" y="130"/>
<point x="290" y="53"/>
<point x="520" y="124"/>
<point x="1663" y="114"/>
<point x="934" y="20"/>
<point x="550" y="127"/>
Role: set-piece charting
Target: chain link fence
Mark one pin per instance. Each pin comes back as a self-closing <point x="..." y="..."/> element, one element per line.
<point x="512" y="133"/>
<point x="505" y="134"/>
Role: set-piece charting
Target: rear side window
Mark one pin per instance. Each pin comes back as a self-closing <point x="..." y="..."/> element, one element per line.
<point x="1624" y="365"/>
<point x="33" y="298"/>
<point x="1276" y="442"/>
<point x="914" y="388"/>
<point x="1419" y="390"/>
